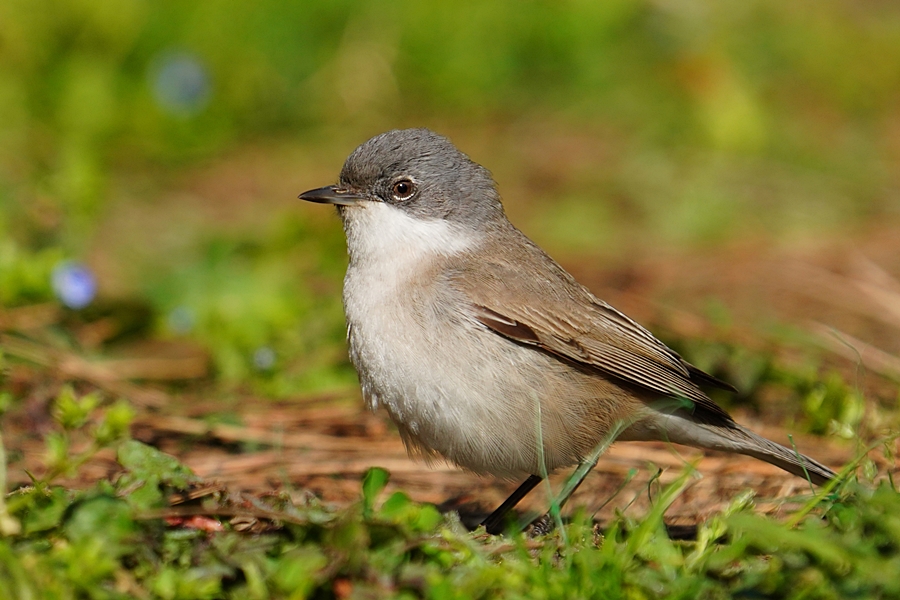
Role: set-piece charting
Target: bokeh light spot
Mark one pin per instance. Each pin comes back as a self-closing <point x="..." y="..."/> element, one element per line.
<point x="181" y="83"/>
<point x="264" y="358"/>
<point x="181" y="320"/>
<point x="74" y="284"/>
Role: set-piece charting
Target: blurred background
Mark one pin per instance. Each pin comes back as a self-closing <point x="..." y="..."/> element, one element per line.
<point x="728" y="172"/>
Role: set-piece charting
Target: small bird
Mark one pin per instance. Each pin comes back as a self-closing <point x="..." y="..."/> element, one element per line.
<point x="482" y="349"/>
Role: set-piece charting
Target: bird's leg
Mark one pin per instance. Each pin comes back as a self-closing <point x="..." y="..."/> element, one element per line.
<point x="544" y="524"/>
<point x="496" y="520"/>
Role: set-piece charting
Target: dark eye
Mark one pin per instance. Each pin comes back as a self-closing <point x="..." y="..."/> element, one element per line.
<point x="403" y="189"/>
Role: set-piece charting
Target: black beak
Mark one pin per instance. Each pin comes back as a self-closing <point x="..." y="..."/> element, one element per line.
<point x="333" y="194"/>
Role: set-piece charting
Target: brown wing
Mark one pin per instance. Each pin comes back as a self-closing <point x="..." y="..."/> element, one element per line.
<point x="558" y="315"/>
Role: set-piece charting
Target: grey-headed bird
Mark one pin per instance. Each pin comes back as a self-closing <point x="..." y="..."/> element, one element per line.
<point x="482" y="349"/>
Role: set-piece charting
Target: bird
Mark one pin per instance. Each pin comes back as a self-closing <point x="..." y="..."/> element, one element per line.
<point x="483" y="350"/>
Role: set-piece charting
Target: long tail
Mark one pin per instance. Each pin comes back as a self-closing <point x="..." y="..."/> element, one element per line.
<point x="729" y="437"/>
<point x="784" y="458"/>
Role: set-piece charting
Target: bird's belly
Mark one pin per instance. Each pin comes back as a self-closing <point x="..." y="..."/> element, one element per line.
<point x="429" y="369"/>
<point x="444" y="405"/>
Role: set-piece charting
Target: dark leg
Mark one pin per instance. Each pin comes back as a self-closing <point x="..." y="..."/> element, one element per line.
<point x="497" y="519"/>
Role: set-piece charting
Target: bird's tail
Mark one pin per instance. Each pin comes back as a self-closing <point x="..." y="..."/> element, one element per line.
<point x="782" y="457"/>
<point x="729" y="437"/>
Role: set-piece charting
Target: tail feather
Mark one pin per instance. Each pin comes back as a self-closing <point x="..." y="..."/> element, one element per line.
<point x="785" y="458"/>
<point x="727" y="437"/>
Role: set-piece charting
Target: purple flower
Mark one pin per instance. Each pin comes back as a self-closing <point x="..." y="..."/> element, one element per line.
<point x="74" y="284"/>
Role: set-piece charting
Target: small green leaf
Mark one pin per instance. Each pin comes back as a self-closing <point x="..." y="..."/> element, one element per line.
<point x="297" y="570"/>
<point x="41" y="511"/>
<point x="146" y="462"/>
<point x="428" y="518"/>
<point x="397" y="506"/>
<point x="115" y="425"/>
<point x="374" y="482"/>
<point x="57" y="452"/>
<point x="102" y="518"/>
<point x="350" y="537"/>
<point x="72" y="412"/>
<point x="147" y="470"/>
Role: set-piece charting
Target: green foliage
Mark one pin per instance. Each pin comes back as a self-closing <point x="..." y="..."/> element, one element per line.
<point x="25" y="275"/>
<point x="149" y="474"/>
<point x="72" y="412"/>
<point x="263" y="294"/>
<point x="373" y="484"/>
<point x="110" y="541"/>
<point x="833" y="407"/>
<point x="829" y="404"/>
<point x="108" y="426"/>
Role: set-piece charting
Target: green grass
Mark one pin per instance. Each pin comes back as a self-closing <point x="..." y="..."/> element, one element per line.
<point x="121" y="538"/>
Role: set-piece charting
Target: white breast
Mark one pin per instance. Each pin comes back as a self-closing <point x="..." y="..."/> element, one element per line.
<point x="389" y="299"/>
<point x="421" y="356"/>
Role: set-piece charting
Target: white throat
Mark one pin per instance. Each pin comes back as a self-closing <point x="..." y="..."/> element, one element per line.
<point x="381" y="233"/>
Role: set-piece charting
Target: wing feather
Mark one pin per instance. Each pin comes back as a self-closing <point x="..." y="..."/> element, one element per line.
<point x="557" y="315"/>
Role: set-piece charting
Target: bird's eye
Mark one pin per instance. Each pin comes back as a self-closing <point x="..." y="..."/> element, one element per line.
<point x="403" y="189"/>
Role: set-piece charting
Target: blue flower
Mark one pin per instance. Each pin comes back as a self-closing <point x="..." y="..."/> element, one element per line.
<point x="74" y="284"/>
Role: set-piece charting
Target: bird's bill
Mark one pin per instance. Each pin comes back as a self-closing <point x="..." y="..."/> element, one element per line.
<point x="333" y="194"/>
